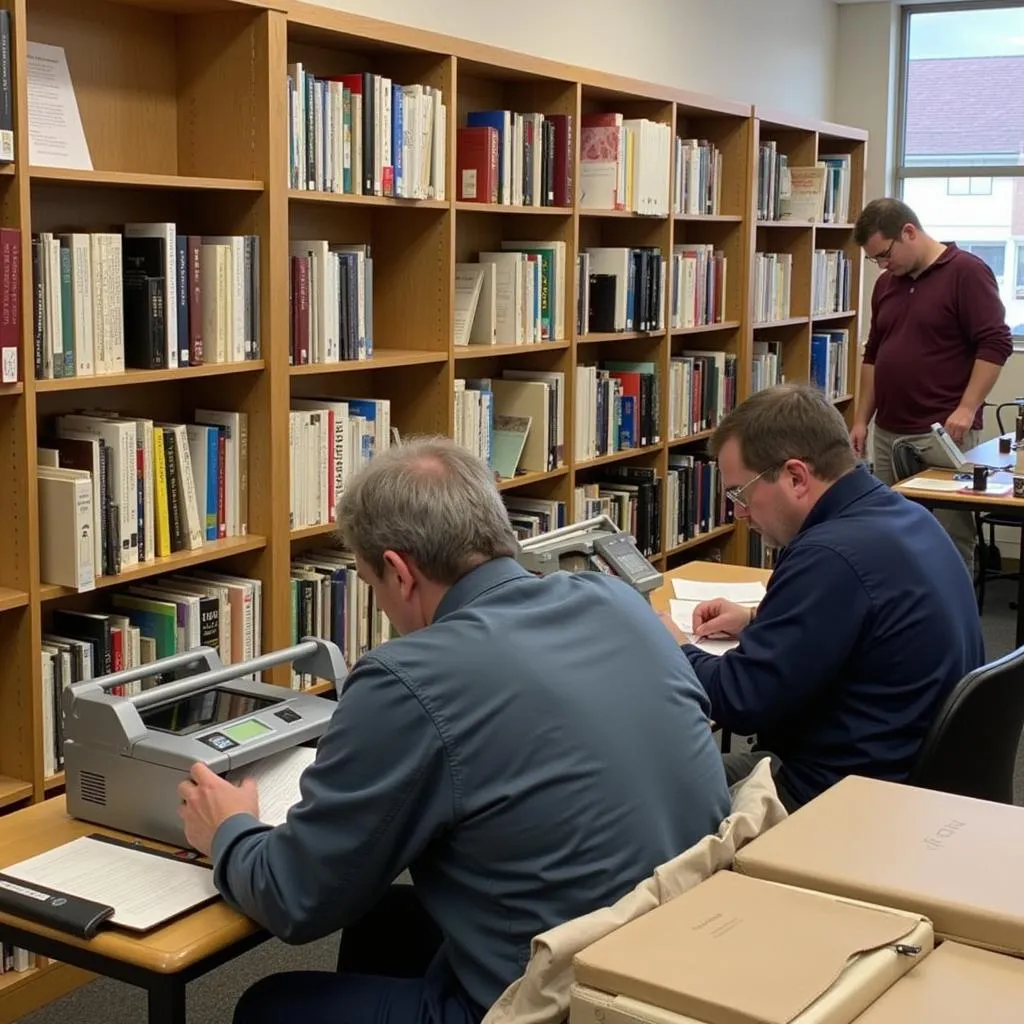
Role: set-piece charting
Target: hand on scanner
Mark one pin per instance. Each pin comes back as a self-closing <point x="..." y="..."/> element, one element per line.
<point x="207" y="801"/>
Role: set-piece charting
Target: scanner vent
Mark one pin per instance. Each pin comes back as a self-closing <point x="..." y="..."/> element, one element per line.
<point x="92" y="788"/>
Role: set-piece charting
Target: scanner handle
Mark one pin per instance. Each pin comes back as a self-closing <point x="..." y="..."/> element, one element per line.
<point x="203" y="657"/>
<point x="311" y="655"/>
<point x="573" y="530"/>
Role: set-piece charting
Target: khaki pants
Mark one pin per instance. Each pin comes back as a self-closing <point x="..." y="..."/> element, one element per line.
<point x="959" y="525"/>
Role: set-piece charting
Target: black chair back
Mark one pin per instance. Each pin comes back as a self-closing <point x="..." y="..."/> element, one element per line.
<point x="971" y="748"/>
<point x="906" y="460"/>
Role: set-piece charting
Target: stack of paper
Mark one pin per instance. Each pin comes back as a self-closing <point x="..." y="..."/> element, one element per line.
<point x="690" y="593"/>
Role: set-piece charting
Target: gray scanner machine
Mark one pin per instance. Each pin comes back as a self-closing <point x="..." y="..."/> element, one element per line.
<point x="595" y="544"/>
<point x="124" y="756"/>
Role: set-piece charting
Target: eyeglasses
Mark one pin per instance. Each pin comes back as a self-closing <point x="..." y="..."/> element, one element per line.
<point x="736" y="494"/>
<point x="882" y="257"/>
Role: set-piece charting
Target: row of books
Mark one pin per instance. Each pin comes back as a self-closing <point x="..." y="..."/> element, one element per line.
<point x="631" y="497"/>
<point x="760" y="554"/>
<point x="832" y="277"/>
<point x="701" y="391"/>
<point x="14" y="959"/>
<point x="514" y="296"/>
<point x="148" y="298"/>
<point x="115" y="490"/>
<point x="830" y="359"/>
<point x="330" y="601"/>
<point x="617" y="408"/>
<point x="624" y="164"/>
<point x="515" y="423"/>
<point x="773" y="280"/>
<point x="330" y="440"/>
<point x="815" y="193"/>
<point x="364" y="134"/>
<point x="698" y="285"/>
<point x="767" y="365"/>
<point x="530" y="517"/>
<point x="331" y="302"/>
<point x="695" y="501"/>
<point x="697" y="178"/>
<point x="772" y="181"/>
<point x="514" y="159"/>
<point x="620" y="288"/>
<point x="146" y="622"/>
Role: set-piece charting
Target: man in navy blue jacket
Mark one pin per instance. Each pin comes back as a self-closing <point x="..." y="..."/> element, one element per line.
<point x="869" y="619"/>
<point x="504" y="749"/>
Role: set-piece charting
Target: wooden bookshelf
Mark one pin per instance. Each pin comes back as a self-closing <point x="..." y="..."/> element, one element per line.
<point x="185" y="112"/>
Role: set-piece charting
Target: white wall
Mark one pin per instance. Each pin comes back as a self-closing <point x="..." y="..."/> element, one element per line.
<point x="734" y="49"/>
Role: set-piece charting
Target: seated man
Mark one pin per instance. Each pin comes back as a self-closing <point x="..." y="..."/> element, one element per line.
<point x="869" y="619"/>
<point x="504" y="749"/>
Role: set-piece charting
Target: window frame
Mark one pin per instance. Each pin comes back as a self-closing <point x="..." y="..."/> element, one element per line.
<point x="902" y="172"/>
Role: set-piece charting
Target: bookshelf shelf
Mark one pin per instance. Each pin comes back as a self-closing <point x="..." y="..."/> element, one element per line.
<point x="625" y="453"/>
<point x="298" y="195"/>
<point x="543" y="211"/>
<point x="319" y="689"/>
<point x="185" y="110"/>
<point x="705" y="538"/>
<point x="133" y="179"/>
<point x="722" y="325"/>
<point x="524" y="480"/>
<point x="11" y="599"/>
<point x="209" y="552"/>
<point x="846" y="314"/>
<point x="12" y="791"/>
<point x="381" y="359"/>
<point x="131" y="378"/>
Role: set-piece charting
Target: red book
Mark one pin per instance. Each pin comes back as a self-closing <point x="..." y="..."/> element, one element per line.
<point x="10" y="303"/>
<point x="476" y="165"/>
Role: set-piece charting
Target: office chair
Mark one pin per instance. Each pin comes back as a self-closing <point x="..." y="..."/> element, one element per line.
<point x="906" y="462"/>
<point x="971" y="747"/>
<point x="1010" y="520"/>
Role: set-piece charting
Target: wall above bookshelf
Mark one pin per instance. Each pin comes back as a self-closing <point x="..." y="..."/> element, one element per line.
<point x="618" y="306"/>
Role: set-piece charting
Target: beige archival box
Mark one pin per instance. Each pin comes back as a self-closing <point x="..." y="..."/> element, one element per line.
<point x="956" y="860"/>
<point x="954" y="984"/>
<point x="736" y="950"/>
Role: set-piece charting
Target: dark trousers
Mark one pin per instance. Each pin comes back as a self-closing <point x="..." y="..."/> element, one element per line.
<point x="391" y="970"/>
<point x="740" y="764"/>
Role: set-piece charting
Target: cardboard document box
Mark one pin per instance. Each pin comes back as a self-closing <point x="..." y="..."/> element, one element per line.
<point x="954" y="984"/>
<point x="956" y="860"/>
<point x="736" y="950"/>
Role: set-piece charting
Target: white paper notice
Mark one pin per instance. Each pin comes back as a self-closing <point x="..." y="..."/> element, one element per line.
<point x="55" y="134"/>
<point x="749" y="594"/>
<point x="144" y="890"/>
<point x="277" y="780"/>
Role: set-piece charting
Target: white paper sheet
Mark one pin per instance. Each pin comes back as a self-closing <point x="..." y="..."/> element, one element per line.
<point x="682" y="616"/>
<point x="749" y="594"/>
<point x="717" y="647"/>
<point x="277" y="780"/>
<point x="928" y="483"/>
<point x="144" y="890"/>
<point x="55" y="134"/>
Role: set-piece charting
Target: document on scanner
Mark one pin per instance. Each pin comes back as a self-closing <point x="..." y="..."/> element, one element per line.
<point x="144" y="888"/>
<point x="277" y="781"/>
<point x="749" y="594"/>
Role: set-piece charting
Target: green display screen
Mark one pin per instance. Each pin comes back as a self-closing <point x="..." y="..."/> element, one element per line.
<point x="247" y="730"/>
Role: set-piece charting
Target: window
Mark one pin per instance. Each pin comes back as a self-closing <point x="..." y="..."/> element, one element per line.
<point x="968" y="186"/>
<point x="961" y="132"/>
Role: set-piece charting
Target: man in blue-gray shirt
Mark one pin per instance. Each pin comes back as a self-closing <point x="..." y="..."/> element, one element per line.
<point x="869" y="619"/>
<point x="529" y="748"/>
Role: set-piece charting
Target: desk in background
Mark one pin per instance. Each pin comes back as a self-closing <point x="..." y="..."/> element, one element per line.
<point x="162" y="961"/>
<point x="969" y="500"/>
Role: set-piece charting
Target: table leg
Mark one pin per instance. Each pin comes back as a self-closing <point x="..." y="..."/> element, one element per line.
<point x="166" y="1001"/>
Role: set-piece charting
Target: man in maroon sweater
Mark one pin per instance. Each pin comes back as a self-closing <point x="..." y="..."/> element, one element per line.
<point x="937" y="343"/>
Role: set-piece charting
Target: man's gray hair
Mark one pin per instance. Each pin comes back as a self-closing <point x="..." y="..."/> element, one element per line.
<point x="432" y="500"/>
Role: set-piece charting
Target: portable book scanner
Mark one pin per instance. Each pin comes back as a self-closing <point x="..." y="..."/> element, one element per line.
<point x="595" y="544"/>
<point x="125" y="755"/>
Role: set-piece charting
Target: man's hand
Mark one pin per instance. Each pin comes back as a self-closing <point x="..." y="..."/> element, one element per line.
<point x="720" y="617"/>
<point x="959" y="423"/>
<point x="859" y="438"/>
<point x="207" y="800"/>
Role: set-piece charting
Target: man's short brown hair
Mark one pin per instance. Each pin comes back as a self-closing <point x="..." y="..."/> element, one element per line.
<point x="789" y="421"/>
<point x="886" y="217"/>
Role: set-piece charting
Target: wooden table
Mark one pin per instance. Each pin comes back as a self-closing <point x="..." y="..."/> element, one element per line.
<point x="162" y="961"/>
<point x="969" y="500"/>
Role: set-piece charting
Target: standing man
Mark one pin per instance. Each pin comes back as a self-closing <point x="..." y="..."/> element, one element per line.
<point x="937" y="343"/>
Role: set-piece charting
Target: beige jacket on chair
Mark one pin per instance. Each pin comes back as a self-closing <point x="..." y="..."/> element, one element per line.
<point x="541" y="995"/>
